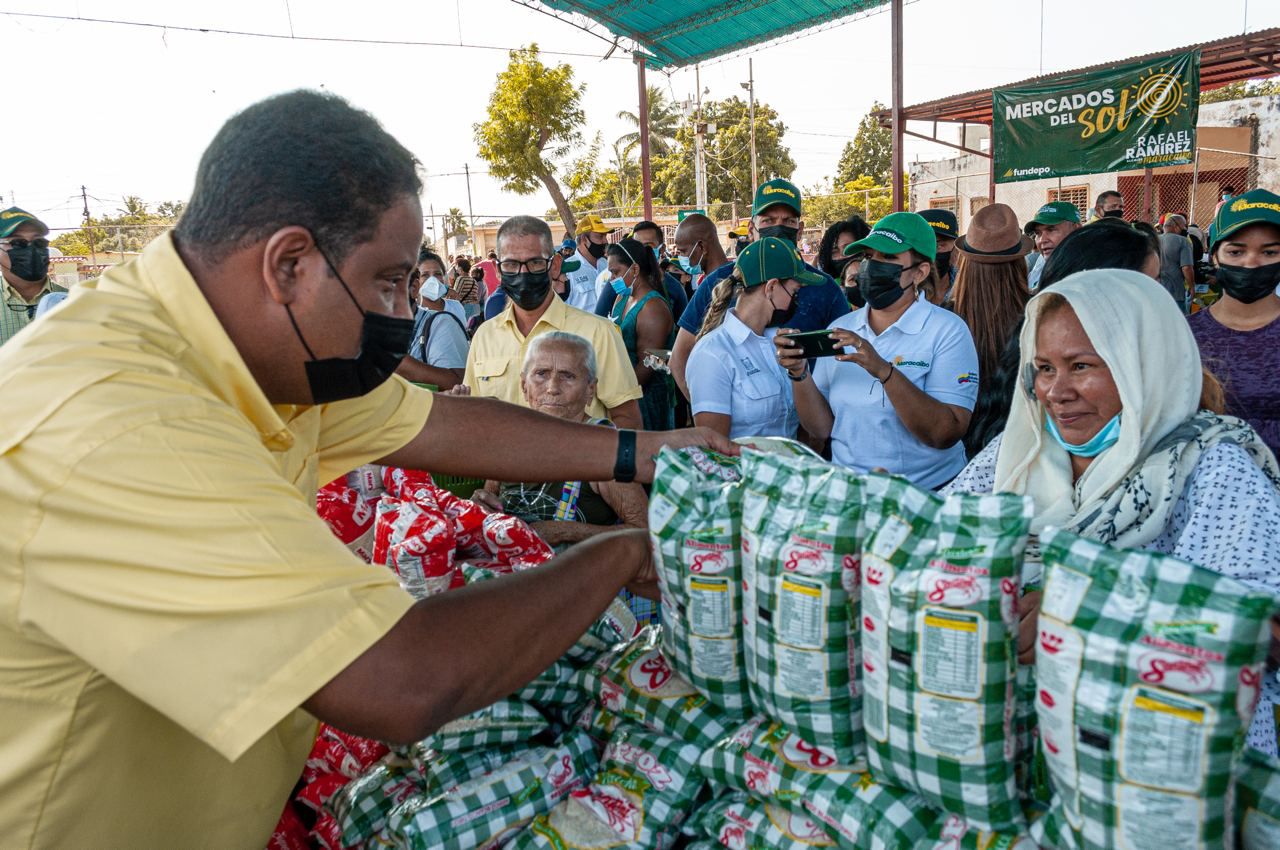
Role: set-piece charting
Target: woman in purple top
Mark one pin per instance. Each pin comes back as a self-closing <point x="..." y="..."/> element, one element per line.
<point x="1239" y="336"/>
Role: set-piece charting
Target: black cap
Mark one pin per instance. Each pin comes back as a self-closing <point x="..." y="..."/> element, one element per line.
<point x="943" y="222"/>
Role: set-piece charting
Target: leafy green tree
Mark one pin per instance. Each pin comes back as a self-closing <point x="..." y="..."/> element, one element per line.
<point x="455" y="223"/>
<point x="1242" y="89"/>
<point x="664" y="121"/>
<point x="824" y="204"/>
<point x="728" y="155"/>
<point x="870" y="152"/>
<point x="535" y="113"/>
<point x="130" y="231"/>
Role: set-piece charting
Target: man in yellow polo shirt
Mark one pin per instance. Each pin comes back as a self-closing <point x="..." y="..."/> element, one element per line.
<point x="173" y="615"/>
<point x="527" y="261"/>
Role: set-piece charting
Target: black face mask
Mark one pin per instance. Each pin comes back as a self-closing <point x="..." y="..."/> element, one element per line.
<point x="1113" y="214"/>
<point x="853" y="295"/>
<point x="780" y="231"/>
<point x="881" y="283"/>
<point x="838" y="266"/>
<point x="526" y="289"/>
<point x="1249" y="285"/>
<point x="596" y="250"/>
<point x="943" y="264"/>
<point x="29" y="262"/>
<point x="384" y="342"/>
<point x="781" y="318"/>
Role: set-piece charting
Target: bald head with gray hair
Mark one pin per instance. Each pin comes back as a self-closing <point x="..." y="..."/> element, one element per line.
<point x="565" y="341"/>
<point x="1177" y="221"/>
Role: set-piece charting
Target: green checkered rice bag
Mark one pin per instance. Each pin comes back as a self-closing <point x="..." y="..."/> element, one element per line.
<point x="1148" y="671"/>
<point x="764" y="759"/>
<point x="446" y="770"/>
<point x="801" y="549"/>
<point x="489" y="808"/>
<point x="939" y="635"/>
<point x="952" y="832"/>
<point x="1258" y="801"/>
<point x="598" y="723"/>
<point x="362" y="806"/>
<point x="637" y="682"/>
<point x="745" y="823"/>
<point x="694" y="522"/>
<point x="507" y="721"/>
<point x="646" y="786"/>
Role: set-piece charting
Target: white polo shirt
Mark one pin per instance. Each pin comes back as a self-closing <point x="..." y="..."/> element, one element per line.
<point x="930" y="347"/>
<point x="582" y="283"/>
<point x="734" y="371"/>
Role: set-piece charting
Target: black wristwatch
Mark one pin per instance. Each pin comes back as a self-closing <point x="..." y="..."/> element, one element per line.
<point x="624" y="467"/>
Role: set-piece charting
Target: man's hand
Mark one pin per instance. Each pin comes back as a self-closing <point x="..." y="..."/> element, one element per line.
<point x="645" y="581"/>
<point x="1028" y="626"/>
<point x="487" y="501"/>
<point x="458" y="389"/>
<point x="649" y="443"/>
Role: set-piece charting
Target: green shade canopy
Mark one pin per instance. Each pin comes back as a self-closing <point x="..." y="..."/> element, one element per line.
<point x="681" y="32"/>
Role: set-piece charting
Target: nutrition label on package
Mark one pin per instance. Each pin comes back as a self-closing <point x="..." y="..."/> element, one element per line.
<point x="802" y="613"/>
<point x="715" y="659"/>
<point x="802" y="674"/>
<point x="948" y="727"/>
<point x="1163" y="740"/>
<point x="949" y="659"/>
<point x="711" y="607"/>
<point x="1151" y="820"/>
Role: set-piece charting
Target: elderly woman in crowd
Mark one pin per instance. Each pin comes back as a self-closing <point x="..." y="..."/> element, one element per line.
<point x="1107" y="435"/>
<point x="559" y="379"/>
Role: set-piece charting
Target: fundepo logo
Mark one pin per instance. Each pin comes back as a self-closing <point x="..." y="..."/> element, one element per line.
<point x="1160" y="95"/>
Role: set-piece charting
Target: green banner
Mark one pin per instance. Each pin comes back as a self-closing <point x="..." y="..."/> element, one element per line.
<point x="1139" y="115"/>
<point x="681" y="215"/>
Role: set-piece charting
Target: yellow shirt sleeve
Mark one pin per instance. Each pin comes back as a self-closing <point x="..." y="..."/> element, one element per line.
<point x="616" y="383"/>
<point x="175" y="560"/>
<point x="368" y="428"/>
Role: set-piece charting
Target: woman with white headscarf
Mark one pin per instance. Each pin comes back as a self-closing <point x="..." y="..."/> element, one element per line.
<point x="1109" y="440"/>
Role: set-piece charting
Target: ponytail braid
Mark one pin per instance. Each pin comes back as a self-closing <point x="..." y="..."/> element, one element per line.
<point x="720" y="298"/>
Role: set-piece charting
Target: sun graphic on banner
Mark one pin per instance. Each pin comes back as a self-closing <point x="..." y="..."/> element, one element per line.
<point x="1160" y="95"/>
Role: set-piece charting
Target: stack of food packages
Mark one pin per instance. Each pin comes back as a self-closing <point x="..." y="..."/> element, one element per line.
<point x="836" y="667"/>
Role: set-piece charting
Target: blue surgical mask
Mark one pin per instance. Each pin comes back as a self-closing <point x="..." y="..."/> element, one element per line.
<point x="1097" y="444"/>
<point x="657" y="253"/>
<point x="620" y="286"/>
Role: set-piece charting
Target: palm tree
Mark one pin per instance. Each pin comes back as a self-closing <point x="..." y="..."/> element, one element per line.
<point x="664" y="120"/>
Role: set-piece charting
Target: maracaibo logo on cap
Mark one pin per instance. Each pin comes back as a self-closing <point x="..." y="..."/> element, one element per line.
<point x="894" y="236"/>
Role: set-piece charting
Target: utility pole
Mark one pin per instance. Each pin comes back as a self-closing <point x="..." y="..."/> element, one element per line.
<point x="750" y="86"/>
<point x="84" y="196"/>
<point x="700" y="130"/>
<point x="898" y="123"/>
<point x="471" y="216"/>
<point x="645" y="188"/>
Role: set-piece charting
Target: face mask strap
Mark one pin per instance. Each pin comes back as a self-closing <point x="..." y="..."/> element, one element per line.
<point x="297" y="331"/>
<point x="334" y="269"/>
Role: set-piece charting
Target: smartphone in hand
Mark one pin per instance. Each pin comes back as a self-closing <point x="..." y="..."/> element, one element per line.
<point x="815" y="343"/>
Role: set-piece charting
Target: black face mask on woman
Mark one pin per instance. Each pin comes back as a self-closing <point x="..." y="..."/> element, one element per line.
<point x="384" y="342"/>
<point x="881" y="283"/>
<point x="1249" y="285"/>
<point x="781" y="318"/>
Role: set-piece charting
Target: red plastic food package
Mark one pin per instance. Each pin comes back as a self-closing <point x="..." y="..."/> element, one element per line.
<point x="349" y="515"/>
<point x="415" y="539"/>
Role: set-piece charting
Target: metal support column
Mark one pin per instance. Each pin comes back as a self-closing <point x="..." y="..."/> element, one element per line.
<point x="644" y="139"/>
<point x="896" y="176"/>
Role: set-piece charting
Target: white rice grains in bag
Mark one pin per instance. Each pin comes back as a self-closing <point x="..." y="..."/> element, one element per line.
<point x="1147" y="671"/>
<point x="801" y="554"/>
<point x="694" y="521"/>
<point x="940" y="681"/>
<point x="647" y="784"/>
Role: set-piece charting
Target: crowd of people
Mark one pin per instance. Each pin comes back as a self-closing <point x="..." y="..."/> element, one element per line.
<point x="173" y="612"/>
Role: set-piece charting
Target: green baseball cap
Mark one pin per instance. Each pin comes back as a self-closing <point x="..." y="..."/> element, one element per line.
<point x="776" y="191"/>
<point x="769" y="259"/>
<point x="14" y="217"/>
<point x="897" y="232"/>
<point x="1252" y="207"/>
<point x="1054" y="212"/>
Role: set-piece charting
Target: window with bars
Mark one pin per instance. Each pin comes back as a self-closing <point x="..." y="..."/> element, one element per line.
<point x="1076" y="195"/>
<point x="946" y="203"/>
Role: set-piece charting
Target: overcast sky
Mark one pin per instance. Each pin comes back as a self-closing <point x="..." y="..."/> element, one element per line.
<point x="128" y="110"/>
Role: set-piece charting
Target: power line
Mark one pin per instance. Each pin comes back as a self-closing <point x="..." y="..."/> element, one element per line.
<point x="282" y="36"/>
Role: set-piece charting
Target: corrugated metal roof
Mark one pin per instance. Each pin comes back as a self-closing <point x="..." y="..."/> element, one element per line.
<point x="1227" y="60"/>
<point x="682" y="33"/>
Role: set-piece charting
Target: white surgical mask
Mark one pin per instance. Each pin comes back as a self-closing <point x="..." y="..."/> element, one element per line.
<point x="433" y="289"/>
